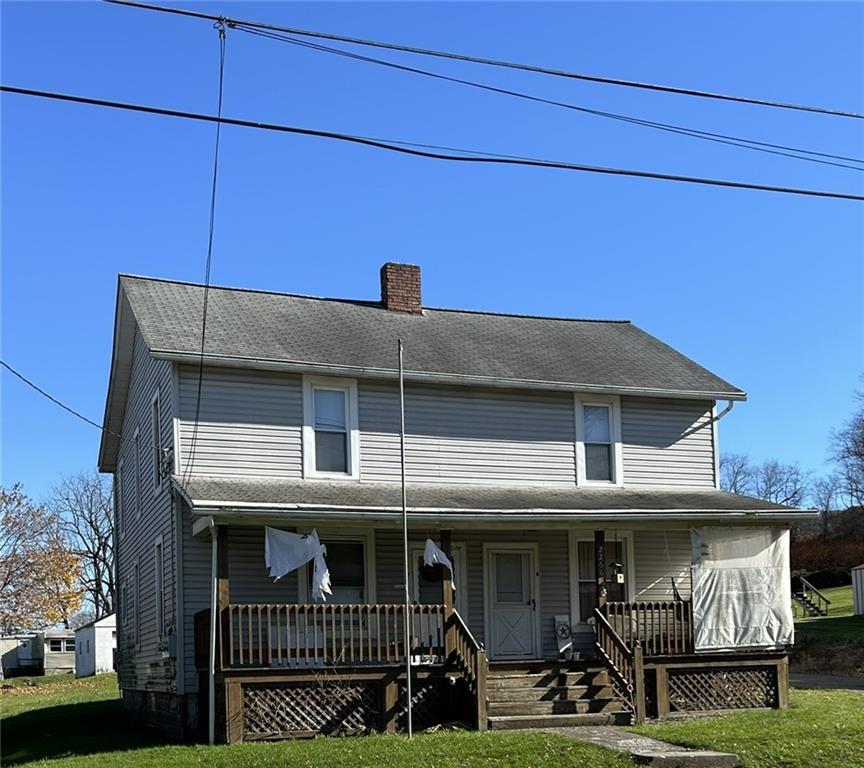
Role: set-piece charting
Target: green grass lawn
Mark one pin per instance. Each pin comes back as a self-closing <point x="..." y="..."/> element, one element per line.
<point x="80" y="725"/>
<point x="820" y="728"/>
<point x="840" y="624"/>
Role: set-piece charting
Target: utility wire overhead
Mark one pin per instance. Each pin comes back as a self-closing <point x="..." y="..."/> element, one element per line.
<point x="493" y="62"/>
<point x="56" y="401"/>
<point x="220" y="28"/>
<point x="737" y="141"/>
<point x="408" y="148"/>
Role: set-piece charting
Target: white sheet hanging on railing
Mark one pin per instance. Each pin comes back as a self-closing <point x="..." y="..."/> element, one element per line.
<point x="285" y="552"/>
<point x="434" y="555"/>
<point x="741" y="588"/>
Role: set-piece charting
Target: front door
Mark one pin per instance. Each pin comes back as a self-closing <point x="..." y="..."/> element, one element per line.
<point x="512" y="604"/>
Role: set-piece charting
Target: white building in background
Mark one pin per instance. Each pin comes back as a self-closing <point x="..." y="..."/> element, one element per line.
<point x="94" y="647"/>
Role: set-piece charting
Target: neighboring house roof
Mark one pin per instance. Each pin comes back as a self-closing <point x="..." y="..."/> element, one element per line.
<point x="359" y="338"/>
<point x="106" y="621"/>
<point x="213" y="494"/>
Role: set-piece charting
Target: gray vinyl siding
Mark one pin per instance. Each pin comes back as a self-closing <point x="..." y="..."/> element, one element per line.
<point x="196" y="587"/>
<point x="554" y="598"/>
<point x="659" y="557"/>
<point x="658" y="554"/>
<point x="467" y="436"/>
<point x="249" y="424"/>
<point x="145" y="519"/>
<point x="667" y="442"/>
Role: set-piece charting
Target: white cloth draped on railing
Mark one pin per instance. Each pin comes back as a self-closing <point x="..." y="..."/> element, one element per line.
<point x="285" y="552"/>
<point x="434" y="555"/>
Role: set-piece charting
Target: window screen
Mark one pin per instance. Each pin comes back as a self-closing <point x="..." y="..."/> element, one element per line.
<point x="598" y="442"/>
<point x="331" y="433"/>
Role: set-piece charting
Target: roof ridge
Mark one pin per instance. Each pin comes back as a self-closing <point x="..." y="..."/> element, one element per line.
<point x="371" y="303"/>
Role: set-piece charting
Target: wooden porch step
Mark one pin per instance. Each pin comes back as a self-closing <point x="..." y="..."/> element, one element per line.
<point x="561" y="707"/>
<point x="550" y="693"/>
<point x="508" y="722"/>
<point x="547" y="679"/>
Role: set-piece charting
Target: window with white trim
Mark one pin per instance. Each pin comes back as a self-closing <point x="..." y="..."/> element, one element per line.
<point x="159" y="593"/>
<point x="330" y="435"/>
<point x="156" y="433"/>
<point x="118" y="498"/>
<point x="136" y="596"/>
<point x="352" y="571"/>
<point x="136" y="438"/>
<point x="598" y="441"/>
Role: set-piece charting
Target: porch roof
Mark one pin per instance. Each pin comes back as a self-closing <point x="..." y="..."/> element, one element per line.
<point x="465" y="502"/>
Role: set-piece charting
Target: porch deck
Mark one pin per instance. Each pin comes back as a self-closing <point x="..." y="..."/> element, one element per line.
<point x="295" y="670"/>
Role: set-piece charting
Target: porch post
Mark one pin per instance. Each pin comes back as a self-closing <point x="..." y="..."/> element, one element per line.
<point x="600" y="567"/>
<point x="223" y="592"/>
<point x="447" y="590"/>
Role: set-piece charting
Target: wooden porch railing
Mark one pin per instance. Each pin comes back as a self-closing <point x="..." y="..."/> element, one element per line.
<point x="811" y="600"/>
<point x="624" y="664"/>
<point x="664" y="628"/>
<point x="270" y="635"/>
<point x="469" y="658"/>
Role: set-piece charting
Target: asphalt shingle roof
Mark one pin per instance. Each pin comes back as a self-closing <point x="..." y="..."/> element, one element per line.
<point x="225" y="492"/>
<point x="285" y="328"/>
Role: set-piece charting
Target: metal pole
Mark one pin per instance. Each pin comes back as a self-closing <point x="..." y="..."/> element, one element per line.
<point x="211" y="698"/>
<point x="407" y="623"/>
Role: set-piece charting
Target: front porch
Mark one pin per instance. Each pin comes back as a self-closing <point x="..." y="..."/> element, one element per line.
<point x="290" y="668"/>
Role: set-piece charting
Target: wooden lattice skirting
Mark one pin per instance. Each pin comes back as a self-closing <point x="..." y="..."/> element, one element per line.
<point x="277" y="710"/>
<point x="700" y="690"/>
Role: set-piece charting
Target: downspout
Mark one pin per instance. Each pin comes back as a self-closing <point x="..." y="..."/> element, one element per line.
<point x="211" y="700"/>
<point x="730" y="404"/>
<point x="715" y="439"/>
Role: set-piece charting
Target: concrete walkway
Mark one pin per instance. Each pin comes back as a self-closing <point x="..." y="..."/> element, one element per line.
<point x="646" y="751"/>
<point x="803" y="680"/>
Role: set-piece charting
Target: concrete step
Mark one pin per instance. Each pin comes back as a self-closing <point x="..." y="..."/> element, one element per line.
<point x="550" y="693"/>
<point x="566" y="707"/>
<point x="508" y="722"/>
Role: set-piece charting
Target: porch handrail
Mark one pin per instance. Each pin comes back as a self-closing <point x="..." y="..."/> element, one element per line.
<point x="623" y="663"/>
<point x="808" y="587"/>
<point x="663" y="627"/>
<point x="273" y="635"/>
<point x="469" y="657"/>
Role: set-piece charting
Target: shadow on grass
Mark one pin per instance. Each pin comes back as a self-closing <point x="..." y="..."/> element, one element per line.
<point x="73" y="729"/>
<point x="837" y="628"/>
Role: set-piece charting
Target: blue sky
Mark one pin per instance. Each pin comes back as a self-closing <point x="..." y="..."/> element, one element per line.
<point x="765" y="290"/>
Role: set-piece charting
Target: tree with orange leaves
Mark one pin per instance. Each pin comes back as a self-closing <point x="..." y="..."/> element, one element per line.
<point x="39" y="574"/>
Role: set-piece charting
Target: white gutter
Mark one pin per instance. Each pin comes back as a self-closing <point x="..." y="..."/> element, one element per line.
<point x="298" y="366"/>
<point x="425" y="514"/>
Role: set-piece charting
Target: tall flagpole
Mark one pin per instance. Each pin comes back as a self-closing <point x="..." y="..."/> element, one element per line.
<point x="407" y="623"/>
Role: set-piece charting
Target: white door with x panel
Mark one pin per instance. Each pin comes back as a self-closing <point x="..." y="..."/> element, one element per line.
<point x="512" y="604"/>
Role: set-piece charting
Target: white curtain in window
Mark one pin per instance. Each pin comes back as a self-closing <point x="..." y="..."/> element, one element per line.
<point x="741" y="588"/>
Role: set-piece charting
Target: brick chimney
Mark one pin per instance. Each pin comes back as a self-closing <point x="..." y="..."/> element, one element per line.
<point x="400" y="287"/>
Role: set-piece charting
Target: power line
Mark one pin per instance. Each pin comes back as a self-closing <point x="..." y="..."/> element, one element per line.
<point x="220" y="27"/>
<point x="737" y="141"/>
<point x="56" y="401"/>
<point x="408" y="148"/>
<point x="495" y="62"/>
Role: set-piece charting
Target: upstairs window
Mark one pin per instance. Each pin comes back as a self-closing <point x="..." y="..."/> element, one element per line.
<point x="118" y="498"/>
<point x="156" y="430"/>
<point x="330" y="437"/>
<point x="598" y="441"/>
<point x="136" y="438"/>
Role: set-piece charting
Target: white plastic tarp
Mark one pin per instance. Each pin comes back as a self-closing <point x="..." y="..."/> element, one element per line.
<point x="285" y="551"/>
<point x="741" y="588"/>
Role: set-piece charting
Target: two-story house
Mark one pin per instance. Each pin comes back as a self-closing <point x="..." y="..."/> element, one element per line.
<point x="569" y="468"/>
